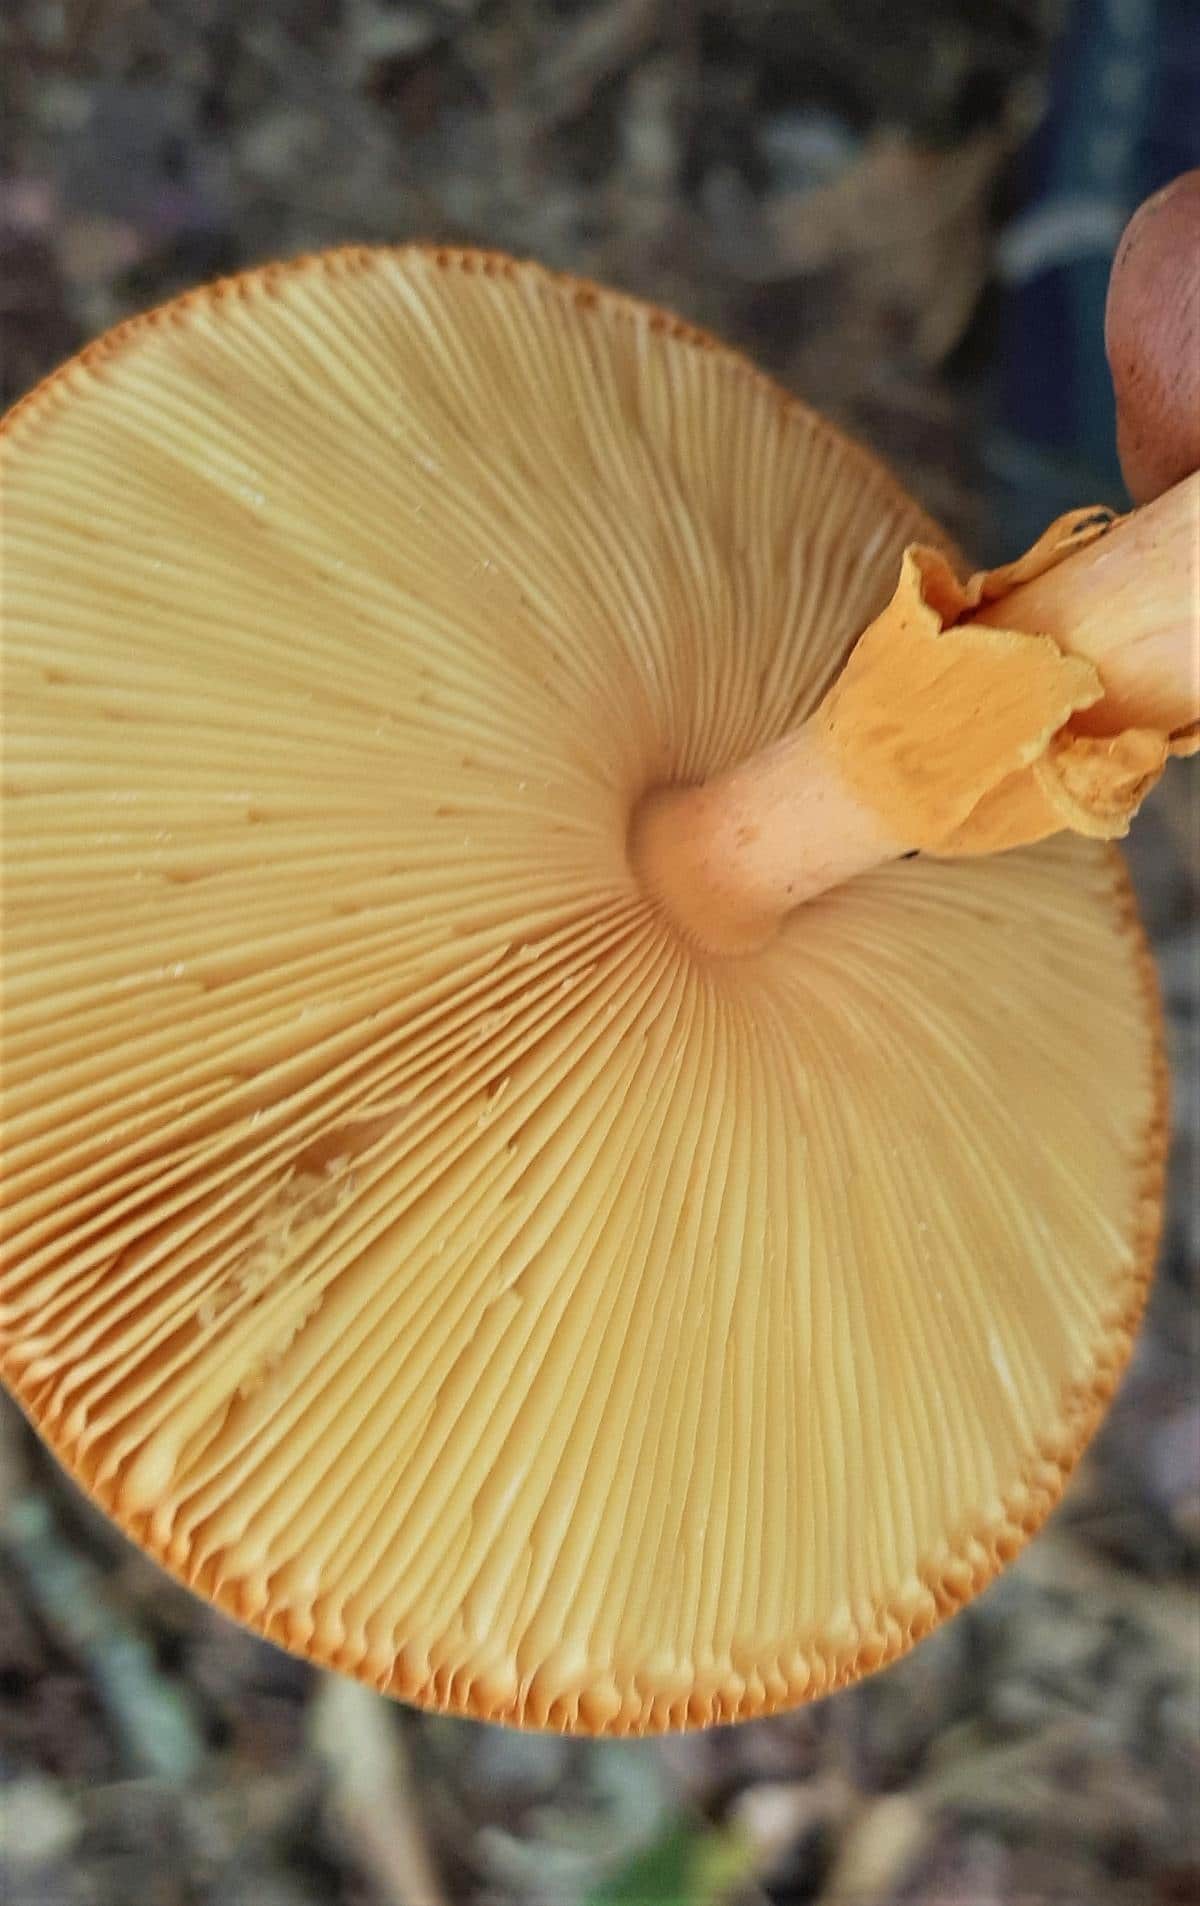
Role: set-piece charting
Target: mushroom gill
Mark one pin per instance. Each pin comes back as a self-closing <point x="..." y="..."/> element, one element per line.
<point x="410" y="1238"/>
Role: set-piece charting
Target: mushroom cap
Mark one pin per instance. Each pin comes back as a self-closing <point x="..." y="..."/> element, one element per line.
<point x="408" y="1239"/>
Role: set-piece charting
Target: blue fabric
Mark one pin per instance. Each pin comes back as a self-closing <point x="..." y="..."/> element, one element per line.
<point x="1124" y="118"/>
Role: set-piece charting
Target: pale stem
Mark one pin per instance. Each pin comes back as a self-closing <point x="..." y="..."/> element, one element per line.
<point x="730" y="859"/>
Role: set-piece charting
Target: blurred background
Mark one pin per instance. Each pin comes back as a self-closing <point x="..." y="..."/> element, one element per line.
<point x="907" y="213"/>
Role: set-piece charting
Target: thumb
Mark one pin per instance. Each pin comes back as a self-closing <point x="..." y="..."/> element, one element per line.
<point x="1152" y="336"/>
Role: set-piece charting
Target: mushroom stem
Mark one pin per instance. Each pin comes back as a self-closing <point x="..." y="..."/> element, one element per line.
<point x="1130" y="604"/>
<point x="956" y="727"/>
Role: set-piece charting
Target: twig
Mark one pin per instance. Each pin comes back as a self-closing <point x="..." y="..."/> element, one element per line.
<point x="152" y="1718"/>
<point x="352" y="1729"/>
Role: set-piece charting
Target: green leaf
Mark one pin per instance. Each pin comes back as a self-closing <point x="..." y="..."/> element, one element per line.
<point x="687" y="1864"/>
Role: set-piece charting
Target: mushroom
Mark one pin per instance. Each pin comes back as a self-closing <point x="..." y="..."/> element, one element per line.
<point x="420" y="1235"/>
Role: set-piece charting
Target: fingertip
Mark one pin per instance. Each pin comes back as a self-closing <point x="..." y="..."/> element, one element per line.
<point x="1152" y="336"/>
